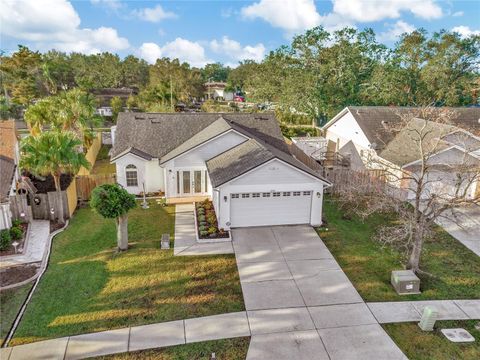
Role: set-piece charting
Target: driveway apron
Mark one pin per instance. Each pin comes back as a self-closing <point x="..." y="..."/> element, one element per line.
<point x="300" y="304"/>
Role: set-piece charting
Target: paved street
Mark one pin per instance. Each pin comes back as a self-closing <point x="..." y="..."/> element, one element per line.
<point x="300" y="304"/>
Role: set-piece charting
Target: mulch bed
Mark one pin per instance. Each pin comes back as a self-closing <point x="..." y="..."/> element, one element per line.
<point x="54" y="226"/>
<point x="48" y="184"/>
<point x="21" y="242"/>
<point x="16" y="274"/>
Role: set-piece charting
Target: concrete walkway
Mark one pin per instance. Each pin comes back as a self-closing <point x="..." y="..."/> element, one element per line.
<point x="35" y="245"/>
<point x="468" y="232"/>
<point x="406" y="311"/>
<point x="300" y="304"/>
<point x="185" y="241"/>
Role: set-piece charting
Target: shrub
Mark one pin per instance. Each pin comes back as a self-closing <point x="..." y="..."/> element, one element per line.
<point x="208" y="206"/>
<point x="5" y="239"/>
<point x="203" y="233"/>
<point x="202" y="223"/>
<point x="16" y="233"/>
<point x="16" y="223"/>
<point x="201" y="218"/>
<point x="212" y="230"/>
<point x="200" y="211"/>
<point x="202" y="228"/>
<point x="211" y="218"/>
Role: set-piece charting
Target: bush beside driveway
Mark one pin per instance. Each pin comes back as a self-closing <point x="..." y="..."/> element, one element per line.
<point x="88" y="287"/>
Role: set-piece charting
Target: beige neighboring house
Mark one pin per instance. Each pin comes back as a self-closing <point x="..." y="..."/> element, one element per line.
<point x="362" y="133"/>
<point x="9" y="171"/>
<point x="216" y="91"/>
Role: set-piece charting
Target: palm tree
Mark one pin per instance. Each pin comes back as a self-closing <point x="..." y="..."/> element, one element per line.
<point x="72" y="110"/>
<point x="53" y="153"/>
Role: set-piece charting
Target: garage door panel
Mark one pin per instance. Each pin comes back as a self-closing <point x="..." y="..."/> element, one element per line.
<point x="261" y="209"/>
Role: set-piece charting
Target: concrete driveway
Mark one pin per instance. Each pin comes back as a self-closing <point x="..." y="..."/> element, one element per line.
<point x="300" y="304"/>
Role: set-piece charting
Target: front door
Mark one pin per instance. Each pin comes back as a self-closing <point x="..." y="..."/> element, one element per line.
<point x="192" y="182"/>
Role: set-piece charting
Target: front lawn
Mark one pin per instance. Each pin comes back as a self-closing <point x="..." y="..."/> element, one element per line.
<point x="229" y="349"/>
<point x="420" y="345"/>
<point x="89" y="287"/>
<point x="368" y="265"/>
<point x="10" y="302"/>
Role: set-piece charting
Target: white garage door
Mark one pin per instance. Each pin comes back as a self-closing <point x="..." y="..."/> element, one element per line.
<point x="271" y="208"/>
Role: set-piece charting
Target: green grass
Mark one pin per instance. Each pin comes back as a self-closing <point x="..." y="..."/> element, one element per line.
<point x="230" y="349"/>
<point x="368" y="265"/>
<point x="89" y="287"/>
<point x="102" y="163"/>
<point x="10" y="303"/>
<point x="419" y="345"/>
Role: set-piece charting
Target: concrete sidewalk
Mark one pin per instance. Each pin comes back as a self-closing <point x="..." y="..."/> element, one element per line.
<point x="185" y="243"/>
<point x="405" y="311"/>
<point x="35" y="246"/>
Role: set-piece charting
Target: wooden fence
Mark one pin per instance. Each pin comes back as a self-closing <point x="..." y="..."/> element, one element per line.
<point x="304" y="158"/>
<point x="39" y="206"/>
<point x="92" y="153"/>
<point x="86" y="183"/>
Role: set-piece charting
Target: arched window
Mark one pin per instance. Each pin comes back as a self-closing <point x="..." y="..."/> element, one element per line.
<point x="131" y="175"/>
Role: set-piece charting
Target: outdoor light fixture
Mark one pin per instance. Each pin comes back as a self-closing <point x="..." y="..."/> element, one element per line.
<point x="318" y="194"/>
<point x="225" y="198"/>
<point x="15" y="244"/>
<point x="22" y="214"/>
<point x="52" y="211"/>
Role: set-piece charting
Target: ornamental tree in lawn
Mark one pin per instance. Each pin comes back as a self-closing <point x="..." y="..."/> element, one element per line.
<point x="113" y="201"/>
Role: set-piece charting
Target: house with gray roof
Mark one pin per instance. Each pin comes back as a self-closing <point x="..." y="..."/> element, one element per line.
<point x="380" y="137"/>
<point x="240" y="161"/>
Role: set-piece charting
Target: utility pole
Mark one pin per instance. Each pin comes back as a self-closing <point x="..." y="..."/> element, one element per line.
<point x="171" y="94"/>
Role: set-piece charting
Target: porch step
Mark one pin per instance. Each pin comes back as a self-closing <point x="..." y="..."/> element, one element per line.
<point x="186" y="200"/>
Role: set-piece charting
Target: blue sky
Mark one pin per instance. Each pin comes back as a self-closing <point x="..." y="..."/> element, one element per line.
<point x="206" y="31"/>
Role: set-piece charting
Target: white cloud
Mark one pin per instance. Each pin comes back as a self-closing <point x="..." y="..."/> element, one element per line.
<point x="111" y="4"/>
<point x="375" y="10"/>
<point x="234" y="50"/>
<point x="295" y="16"/>
<point x="465" y="31"/>
<point x="290" y="15"/>
<point x="395" y="30"/>
<point x="182" y="49"/>
<point x="55" y="23"/>
<point x="154" y="15"/>
<point x="150" y="52"/>
<point x="458" y="13"/>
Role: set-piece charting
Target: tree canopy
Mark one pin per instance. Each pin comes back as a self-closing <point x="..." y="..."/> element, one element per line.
<point x="111" y="200"/>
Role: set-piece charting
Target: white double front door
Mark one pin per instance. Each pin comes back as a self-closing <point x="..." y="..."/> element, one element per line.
<point x="191" y="182"/>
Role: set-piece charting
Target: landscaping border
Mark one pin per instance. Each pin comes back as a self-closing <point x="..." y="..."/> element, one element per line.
<point x="38" y="276"/>
<point x="208" y="241"/>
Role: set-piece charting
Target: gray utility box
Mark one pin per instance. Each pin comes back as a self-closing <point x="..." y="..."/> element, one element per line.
<point x="405" y="282"/>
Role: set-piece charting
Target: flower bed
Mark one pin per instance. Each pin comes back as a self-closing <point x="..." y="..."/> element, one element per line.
<point x="17" y="233"/>
<point x="207" y="226"/>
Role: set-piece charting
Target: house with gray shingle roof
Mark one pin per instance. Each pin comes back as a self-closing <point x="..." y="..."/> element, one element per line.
<point x="365" y="132"/>
<point x="240" y="161"/>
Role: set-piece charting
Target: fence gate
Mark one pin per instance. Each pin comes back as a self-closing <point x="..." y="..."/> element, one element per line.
<point x="86" y="184"/>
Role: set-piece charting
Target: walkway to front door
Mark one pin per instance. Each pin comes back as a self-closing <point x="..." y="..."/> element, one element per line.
<point x="300" y="304"/>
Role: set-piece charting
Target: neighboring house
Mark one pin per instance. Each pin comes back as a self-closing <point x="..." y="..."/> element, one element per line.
<point x="216" y="91"/>
<point x="362" y="132"/>
<point x="9" y="172"/>
<point x="105" y="96"/>
<point x="240" y="160"/>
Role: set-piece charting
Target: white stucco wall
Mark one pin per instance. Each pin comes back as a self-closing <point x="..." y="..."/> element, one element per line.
<point x="272" y="176"/>
<point x="345" y="129"/>
<point x="148" y="172"/>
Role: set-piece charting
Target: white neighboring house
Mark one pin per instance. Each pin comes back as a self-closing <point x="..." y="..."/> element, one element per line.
<point x="216" y="90"/>
<point x="240" y="161"/>
<point x="362" y="132"/>
<point x="104" y="111"/>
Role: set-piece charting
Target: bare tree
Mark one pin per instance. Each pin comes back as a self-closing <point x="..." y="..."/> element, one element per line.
<point x="431" y="169"/>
